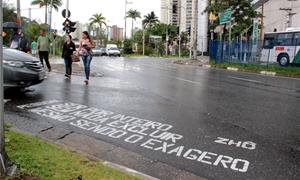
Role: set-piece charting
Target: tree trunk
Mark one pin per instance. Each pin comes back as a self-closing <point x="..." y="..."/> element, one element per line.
<point x="46" y="13"/>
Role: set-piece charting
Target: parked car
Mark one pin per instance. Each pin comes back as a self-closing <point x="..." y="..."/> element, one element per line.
<point x="113" y="51"/>
<point x="99" y="51"/>
<point x="20" y="69"/>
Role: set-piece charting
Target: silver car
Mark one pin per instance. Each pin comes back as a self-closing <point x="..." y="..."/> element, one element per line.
<point x="20" y="69"/>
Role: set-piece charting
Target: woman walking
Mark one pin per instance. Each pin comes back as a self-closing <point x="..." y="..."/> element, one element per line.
<point x="86" y="53"/>
<point x="68" y="50"/>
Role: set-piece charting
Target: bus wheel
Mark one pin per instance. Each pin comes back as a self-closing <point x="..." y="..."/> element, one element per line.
<point x="283" y="60"/>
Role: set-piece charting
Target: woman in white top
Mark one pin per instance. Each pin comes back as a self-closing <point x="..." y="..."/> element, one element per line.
<point x="86" y="53"/>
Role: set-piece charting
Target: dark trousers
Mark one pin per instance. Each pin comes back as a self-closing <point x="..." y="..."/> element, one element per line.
<point x="87" y="65"/>
<point x="44" y="55"/>
<point x="68" y="66"/>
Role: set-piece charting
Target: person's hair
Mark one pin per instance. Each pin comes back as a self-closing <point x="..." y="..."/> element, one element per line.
<point x="88" y="36"/>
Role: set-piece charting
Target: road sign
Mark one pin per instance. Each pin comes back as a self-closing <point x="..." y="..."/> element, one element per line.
<point x="255" y="31"/>
<point x="225" y="17"/>
<point x="64" y="13"/>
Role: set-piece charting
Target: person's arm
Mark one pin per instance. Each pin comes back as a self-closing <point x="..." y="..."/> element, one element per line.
<point x="92" y="45"/>
<point x="38" y="43"/>
<point x="63" y="51"/>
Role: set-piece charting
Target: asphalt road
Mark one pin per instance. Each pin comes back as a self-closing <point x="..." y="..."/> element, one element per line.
<point x="214" y="123"/>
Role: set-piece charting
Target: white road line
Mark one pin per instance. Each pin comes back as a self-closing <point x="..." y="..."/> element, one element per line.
<point x="186" y="80"/>
<point x="244" y="79"/>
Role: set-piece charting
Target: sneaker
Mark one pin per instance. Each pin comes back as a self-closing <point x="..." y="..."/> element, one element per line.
<point x="86" y="82"/>
<point x="49" y="70"/>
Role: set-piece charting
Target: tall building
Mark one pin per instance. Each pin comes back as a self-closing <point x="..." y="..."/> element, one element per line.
<point x="180" y="13"/>
<point x="186" y="15"/>
<point x="170" y="12"/>
<point x="279" y="14"/>
<point x="202" y="26"/>
<point x="115" y="33"/>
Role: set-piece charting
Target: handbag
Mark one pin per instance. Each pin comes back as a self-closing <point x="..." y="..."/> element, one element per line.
<point x="75" y="57"/>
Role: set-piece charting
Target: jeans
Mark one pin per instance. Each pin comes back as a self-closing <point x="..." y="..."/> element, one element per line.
<point x="44" y="55"/>
<point x="87" y="65"/>
<point x="68" y="66"/>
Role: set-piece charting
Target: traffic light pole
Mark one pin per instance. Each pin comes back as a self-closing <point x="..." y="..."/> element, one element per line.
<point x="2" y="147"/>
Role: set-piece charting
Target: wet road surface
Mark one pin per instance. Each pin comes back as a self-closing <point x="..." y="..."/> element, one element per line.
<point x="213" y="123"/>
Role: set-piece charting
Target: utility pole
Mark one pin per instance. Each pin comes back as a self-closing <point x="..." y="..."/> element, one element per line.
<point x="18" y="12"/>
<point x="2" y="139"/>
<point x="50" y="14"/>
<point x="262" y="20"/>
<point x="194" y="28"/>
<point x="290" y="15"/>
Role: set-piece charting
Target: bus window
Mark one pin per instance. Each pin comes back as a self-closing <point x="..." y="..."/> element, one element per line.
<point x="284" y="39"/>
<point x="269" y="41"/>
<point x="297" y="39"/>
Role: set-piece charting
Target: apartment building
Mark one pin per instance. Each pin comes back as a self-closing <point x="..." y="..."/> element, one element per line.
<point x="170" y="12"/>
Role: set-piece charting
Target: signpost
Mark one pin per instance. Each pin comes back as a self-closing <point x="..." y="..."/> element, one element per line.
<point x="225" y="18"/>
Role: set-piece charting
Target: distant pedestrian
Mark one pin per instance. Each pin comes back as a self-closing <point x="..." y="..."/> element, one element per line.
<point x="85" y="49"/>
<point x="24" y="43"/>
<point x="15" y="39"/>
<point x="43" y="44"/>
<point x="68" y="50"/>
<point x="34" y="48"/>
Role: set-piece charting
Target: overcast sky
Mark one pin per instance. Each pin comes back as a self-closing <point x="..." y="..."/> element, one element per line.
<point x="82" y="10"/>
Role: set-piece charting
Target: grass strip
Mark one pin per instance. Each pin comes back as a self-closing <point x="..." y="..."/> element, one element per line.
<point x="291" y="71"/>
<point x="50" y="162"/>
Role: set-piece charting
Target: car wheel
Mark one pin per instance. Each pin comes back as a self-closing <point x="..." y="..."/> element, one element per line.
<point x="283" y="60"/>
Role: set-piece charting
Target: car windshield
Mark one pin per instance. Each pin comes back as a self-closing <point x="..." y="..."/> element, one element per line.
<point x="115" y="49"/>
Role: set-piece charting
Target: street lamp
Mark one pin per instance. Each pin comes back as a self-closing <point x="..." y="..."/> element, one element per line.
<point x="125" y="17"/>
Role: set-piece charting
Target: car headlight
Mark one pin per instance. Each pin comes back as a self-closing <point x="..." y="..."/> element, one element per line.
<point x="16" y="64"/>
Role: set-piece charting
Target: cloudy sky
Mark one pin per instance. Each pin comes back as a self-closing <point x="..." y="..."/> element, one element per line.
<point x="82" y="10"/>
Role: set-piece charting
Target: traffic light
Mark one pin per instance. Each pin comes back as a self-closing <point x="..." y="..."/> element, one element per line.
<point x="189" y="29"/>
<point x="69" y="26"/>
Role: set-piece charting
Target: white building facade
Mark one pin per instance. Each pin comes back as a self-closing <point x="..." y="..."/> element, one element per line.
<point x="279" y="14"/>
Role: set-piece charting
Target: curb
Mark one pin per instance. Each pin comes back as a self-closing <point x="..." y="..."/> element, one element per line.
<point x="232" y="69"/>
<point x="268" y="73"/>
<point x="206" y="66"/>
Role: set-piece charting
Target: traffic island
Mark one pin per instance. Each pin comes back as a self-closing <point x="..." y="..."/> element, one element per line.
<point x="38" y="159"/>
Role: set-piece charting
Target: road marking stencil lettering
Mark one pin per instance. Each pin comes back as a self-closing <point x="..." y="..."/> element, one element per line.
<point x="150" y="135"/>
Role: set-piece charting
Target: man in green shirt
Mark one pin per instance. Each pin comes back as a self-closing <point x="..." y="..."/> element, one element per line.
<point x="43" y="44"/>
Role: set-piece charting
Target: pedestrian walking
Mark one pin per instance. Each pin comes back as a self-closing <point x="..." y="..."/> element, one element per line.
<point x="33" y="48"/>
<point x="24" y="43"/>
<point x="43" y="44"/>
<point x="15" y="39"/>
<point x="68" y="50"/>
<point x="85" y="50"/>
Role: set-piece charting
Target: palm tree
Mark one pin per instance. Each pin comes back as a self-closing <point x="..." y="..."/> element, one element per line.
<point x="98" y="20"/>
<point x="133" y="14"/>
<point x="55" y="4"/>
<point x="150" y="19"/>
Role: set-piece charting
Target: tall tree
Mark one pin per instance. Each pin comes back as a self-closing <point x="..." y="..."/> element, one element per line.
<point x="133" y="14"/>
<point x="150" y="19"/>
<point x="242" y="17"/>
<point x="56" y="4"/>
<point x="98" y="20"/>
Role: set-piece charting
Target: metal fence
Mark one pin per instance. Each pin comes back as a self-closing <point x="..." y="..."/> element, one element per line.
<point x="235" y="51"/>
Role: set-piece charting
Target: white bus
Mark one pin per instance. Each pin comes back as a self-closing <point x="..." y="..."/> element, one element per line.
<point x="282" y="47"/>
